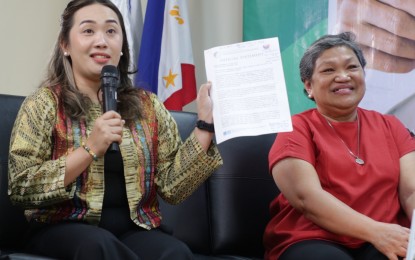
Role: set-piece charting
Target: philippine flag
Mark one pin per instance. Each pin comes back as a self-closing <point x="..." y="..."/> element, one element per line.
<point x="165" y="64"/>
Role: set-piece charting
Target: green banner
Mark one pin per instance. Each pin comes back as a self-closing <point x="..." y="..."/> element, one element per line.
<point x="296" y="23"/>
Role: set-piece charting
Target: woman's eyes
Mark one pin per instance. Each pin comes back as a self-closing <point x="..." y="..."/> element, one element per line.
<point x="90" y="31"/>
<point x="350" y="67"/>
<point x="354" y="66"/>
<point x="327" y="70"/>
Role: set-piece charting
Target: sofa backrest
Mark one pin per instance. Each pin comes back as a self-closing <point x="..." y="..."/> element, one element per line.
<point x="240" y="194"/>
<point x="227" y="215"/>
<point x="12" y="221"/>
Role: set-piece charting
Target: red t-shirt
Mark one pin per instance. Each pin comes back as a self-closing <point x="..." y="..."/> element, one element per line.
<point x="371" y="189"/>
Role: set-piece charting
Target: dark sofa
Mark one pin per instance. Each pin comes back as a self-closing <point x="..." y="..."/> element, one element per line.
<point x="223" y="219"/>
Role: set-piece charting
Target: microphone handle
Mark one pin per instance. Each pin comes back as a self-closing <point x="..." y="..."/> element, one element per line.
<point x="114" y="147"/>
<point x="110" y="103"/>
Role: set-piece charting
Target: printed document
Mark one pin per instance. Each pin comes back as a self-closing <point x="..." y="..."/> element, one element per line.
<point x="410" y="253"/>
<point x="248" y="89"/>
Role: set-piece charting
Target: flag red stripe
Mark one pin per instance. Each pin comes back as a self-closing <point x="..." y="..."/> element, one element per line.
<point x="185" y="95"/>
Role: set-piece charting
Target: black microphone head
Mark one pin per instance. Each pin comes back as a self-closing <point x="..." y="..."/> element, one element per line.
<point x="109" y="71"/>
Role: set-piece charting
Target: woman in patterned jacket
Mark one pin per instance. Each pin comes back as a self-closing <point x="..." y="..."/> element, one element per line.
<point x="84" y="203"/>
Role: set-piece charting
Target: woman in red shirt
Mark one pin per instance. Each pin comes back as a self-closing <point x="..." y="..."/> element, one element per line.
<point x="346" y="174"/>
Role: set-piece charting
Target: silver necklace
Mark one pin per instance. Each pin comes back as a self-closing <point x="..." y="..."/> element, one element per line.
<point x="358" y="160"/>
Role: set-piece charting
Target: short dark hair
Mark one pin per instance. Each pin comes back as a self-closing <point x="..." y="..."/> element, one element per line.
<point x="308" y="61"/>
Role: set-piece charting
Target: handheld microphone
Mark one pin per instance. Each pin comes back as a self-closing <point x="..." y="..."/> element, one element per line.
<point x="109" y="85"/>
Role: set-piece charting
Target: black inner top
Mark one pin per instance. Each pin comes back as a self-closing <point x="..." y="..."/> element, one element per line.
<point x="115" y="215"/>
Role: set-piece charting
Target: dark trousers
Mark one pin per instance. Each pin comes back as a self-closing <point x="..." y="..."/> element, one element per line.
<point x="324" y="250"/>
<point x="83" y="241"/>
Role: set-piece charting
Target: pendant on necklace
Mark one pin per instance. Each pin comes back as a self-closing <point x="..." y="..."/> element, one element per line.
<point x="359" y="161"/>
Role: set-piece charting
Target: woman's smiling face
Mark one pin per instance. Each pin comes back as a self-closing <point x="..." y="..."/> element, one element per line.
<point x="338" y="81"/>
<point x="95" y="40"/>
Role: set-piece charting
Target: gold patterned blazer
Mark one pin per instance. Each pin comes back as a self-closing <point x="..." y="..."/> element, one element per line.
<point x="154" y="157"/>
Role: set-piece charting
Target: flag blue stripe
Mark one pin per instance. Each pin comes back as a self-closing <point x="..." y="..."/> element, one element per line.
<point x="149" y="58"/>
